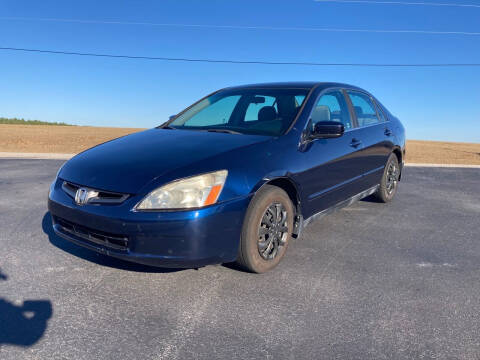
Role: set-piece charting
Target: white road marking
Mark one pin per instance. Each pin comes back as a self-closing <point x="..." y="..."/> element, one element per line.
<point x="57" y="156"/>
<point x="429" y="265"/>
<point x="443" y="165"/>
<point x="42" y="156"/>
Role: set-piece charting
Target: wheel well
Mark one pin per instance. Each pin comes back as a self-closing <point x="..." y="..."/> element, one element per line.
<point x="398" y="154"/>
<point x="288" y="186"/>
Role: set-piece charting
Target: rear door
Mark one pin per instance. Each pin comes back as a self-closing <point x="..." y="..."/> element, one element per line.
<point x="333" y="167"/>
<point x="374" y="134"/>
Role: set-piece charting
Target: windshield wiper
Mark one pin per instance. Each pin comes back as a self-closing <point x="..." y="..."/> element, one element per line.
<point x="223" y="131"/>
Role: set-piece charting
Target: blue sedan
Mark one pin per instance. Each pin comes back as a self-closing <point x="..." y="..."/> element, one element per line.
<point x="234" y="177"/>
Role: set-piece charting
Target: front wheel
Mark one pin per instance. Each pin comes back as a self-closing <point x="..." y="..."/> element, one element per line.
<point x="389" y="182"/>
<point x="267" y="229"/>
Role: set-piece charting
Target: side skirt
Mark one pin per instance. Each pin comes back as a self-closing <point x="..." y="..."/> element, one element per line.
<point x="340" y="205"/>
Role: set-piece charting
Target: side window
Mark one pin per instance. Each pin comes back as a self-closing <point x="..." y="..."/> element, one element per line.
<point x="254" y="108"/>
<point x="217" y="113"/>
<point x="364" y="108"/>
<point x="332" y="107"/>
<point x="381" y="115"/>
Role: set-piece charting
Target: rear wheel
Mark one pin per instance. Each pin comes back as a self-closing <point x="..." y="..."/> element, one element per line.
<point x="389" y="182"/>
<point x="267" y="229"/>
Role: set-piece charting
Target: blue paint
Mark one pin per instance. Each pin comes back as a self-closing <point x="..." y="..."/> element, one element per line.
<point x="324" y="172"/>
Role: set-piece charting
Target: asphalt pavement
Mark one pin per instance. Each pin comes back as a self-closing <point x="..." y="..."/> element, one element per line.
<point x="373" y="281"/>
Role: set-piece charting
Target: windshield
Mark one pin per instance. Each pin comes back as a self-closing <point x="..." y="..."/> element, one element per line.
<point x="244" y="111"/>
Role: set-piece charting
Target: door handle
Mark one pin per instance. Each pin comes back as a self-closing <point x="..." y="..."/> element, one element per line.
<point x="388" y="132"/>
<point x="355" y="143"/>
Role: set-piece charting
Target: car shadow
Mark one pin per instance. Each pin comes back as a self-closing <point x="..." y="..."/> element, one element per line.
<point x="93" y="256"/>
<point x="25" y="324"/>
<point x="371" y="199"/>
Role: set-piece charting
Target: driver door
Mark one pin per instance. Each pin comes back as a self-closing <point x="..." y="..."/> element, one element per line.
<point x="333" y="168"/>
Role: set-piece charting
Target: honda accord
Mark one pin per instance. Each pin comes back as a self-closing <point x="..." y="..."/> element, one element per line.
<point x="234" y="177"/>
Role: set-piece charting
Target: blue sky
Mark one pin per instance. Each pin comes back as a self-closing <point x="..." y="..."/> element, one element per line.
<point x="433" y="103"/>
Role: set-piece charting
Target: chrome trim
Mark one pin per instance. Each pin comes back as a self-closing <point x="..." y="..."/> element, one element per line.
<point x="367" y="126"/>
<point x="83" y="195"/>
<point x="68" y="188"/>
<point x="96" y="196"/>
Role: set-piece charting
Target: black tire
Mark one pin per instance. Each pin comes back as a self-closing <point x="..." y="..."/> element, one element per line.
<point x="265" y="234"/>
<point x="389" y="182"/>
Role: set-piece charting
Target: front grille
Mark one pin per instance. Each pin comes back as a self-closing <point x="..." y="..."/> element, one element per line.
<point x="108" y="240"/>
<point x="102" y="197"/>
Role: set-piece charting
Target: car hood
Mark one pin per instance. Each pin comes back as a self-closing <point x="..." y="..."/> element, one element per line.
<point x="128" y="163"/>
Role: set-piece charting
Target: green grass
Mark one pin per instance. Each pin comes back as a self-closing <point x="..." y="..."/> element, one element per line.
<point x="29" y="122"/>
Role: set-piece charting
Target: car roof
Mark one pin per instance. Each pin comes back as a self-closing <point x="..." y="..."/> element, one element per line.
<point x="295" y="85"/>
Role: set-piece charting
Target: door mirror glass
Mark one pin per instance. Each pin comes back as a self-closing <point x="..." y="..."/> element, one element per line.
<point x="327" y="129"/>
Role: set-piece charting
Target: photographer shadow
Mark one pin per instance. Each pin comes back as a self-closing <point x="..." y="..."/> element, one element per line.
<point x="23" y="325"/>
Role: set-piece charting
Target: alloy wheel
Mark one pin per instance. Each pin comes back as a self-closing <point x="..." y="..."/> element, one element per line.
<point x="273" y="231"/>
<point x="392" y="178"/>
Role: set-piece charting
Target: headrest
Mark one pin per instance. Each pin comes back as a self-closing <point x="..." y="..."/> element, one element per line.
<point x="358" y="110"/>
<point x="267" y="113"/>
<point x="321" y="113"/>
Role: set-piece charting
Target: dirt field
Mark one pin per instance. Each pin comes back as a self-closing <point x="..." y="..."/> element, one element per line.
<point x="73" y="139"/>
<point x="438" y="152"/>
<point x="55" y="139"/>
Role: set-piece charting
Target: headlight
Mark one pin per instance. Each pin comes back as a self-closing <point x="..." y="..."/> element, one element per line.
<point x="193" y="192"/>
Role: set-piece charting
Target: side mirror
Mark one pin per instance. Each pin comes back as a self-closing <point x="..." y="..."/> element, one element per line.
<point x="327" y="129"/>
<point x="171" y="117"/>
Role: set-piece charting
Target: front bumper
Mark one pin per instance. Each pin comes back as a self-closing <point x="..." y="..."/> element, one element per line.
<point x="187" y="239"/>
